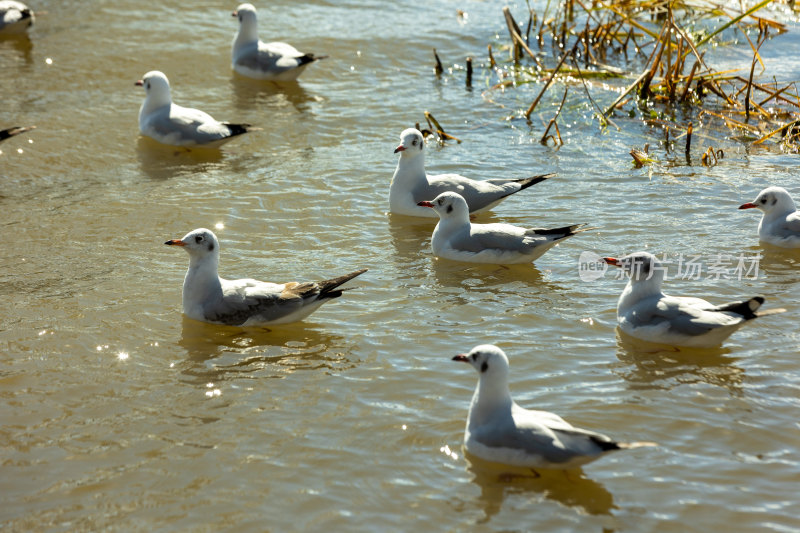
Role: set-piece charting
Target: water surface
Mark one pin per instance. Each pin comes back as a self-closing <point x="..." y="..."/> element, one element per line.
<point x="121" y="414"/>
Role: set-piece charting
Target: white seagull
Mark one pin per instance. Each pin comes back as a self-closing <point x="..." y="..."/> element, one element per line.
<point x="455" y="237"/>
<point x="245" y="302"/>
<point x="411" y="184"/>
<point x="172" y="124"/>
<point x="780" y="224"/>
<point x="646" y="313"/>
<point x="15" y="17"/>
<point x="264" y="61"/>
<point x="501" y="431"/>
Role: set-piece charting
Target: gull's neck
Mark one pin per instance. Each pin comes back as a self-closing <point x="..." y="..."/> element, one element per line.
<point x="451" y="223"/>
<point x="779" y="212"/>
<point x="202" y="282"/>
<point x="491" y="400"/>
<point x="410" y="171"/>
<point x="636" y="291"/>
<point x="247" y="34"/>
<point x="155" y="101"/>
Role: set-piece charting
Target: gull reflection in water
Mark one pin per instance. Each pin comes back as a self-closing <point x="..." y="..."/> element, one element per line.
<point x="161" y="162"/>
<point x="22" y="48"/>
<point x="269" y="96"/>
<point x="567" y="487"/>
<point x="410" y="235"/>
<point x="662" y="366"/>
<point x="216" y="353"/>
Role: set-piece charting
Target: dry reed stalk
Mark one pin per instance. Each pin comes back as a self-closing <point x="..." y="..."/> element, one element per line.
<point x="750" y="80"/>
<point x="516" y="38"/>
<point x="688" y="148"/>
<point x="774" y="95"/>
<point x="763" y="89"/>
<point x="733" y="21"/>
<point x="437" y="128"/>
<point x="438" y="68"/>
<point x="543" y="140"/>
<point x="549" y="81"/>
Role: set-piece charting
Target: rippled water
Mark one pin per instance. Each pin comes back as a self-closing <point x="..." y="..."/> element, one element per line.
<point x="120" y="414"/>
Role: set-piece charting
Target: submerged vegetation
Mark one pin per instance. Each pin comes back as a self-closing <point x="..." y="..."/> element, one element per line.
<point x="649" y="61"/>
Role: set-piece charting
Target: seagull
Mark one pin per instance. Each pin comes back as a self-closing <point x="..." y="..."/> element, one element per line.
<point x="16" y="130"/>
<point x="172" y="124"/>
<point x="411" y="185"/>
<point x="501" y="431"/>
<point x="455" y="237"/>
<point x="780" y="224"/>
<point x="646" y="313"/>
<point x="15" y="17"/>
<point x="253" y="58"/>
<point x="245" y="302"/>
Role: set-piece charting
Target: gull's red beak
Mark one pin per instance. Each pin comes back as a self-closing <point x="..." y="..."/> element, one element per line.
<point x="748" y="205"/>
<point x="175" y="242"/>
<point x="140" y="83"/>
<point x="461" y="358"/>
<point x="611" y="261"/>
<point x="425" y="204"/>
<point x="400" y="148"/>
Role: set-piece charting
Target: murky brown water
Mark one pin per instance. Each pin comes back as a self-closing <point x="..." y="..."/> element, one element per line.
<point x="120" y="414"/>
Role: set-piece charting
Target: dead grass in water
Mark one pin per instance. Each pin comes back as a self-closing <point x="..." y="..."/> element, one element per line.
<point x="667" y="41"/>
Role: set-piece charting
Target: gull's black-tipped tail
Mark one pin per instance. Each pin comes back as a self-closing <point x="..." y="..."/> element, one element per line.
<point x="563" y="232"/>
<point x="533" y="180"/>
<point x="329" y="286"/>
<point x="239" y="129"/>
<point x="16" y="130"/>
<point x="608" y="445"/>
<point x="748" y="308"/>
<point x="309" y="58"/>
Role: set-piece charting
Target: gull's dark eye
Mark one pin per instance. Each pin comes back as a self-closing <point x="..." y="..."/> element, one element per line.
<point x="484" y="366"/>
<point x="763" y="200"/>
<point x="440" y="201"/>
<point x="148" y="85"/>
<point x="474" y="356"/>
<point x="414" y="142"/>
<point x="198" y="238"/>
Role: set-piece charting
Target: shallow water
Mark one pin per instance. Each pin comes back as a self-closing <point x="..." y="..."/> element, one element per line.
<point x="119" y="413"/>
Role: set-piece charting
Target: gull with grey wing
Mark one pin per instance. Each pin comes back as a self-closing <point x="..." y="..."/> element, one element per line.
<point x="245" y="302"/>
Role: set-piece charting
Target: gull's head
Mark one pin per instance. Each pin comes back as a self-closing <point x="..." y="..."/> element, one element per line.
<point x="411" y="143"/>
<point x="199" y="243"/>
<point x="246" y="13"/>
<point x="772" y="199"/>
<point x="640" y="266"/>
<point x="489" y="360"/>
<point x="449" y="205"/>
<point x="156" y="85"/>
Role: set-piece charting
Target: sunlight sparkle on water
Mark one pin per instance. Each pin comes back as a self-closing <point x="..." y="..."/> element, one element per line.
<point x="122" y="356"/>
<point x="448" y="452"/>
<point x="49" y="61"/>
<point x="219" y="226"/>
